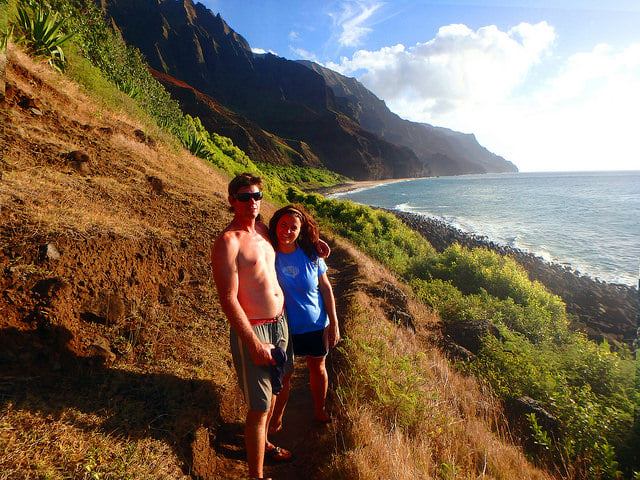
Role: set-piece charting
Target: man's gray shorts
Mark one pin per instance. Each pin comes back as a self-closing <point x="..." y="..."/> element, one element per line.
<point x="255" y="380"/>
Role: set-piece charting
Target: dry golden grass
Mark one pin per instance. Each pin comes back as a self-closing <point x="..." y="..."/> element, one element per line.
<point x="409" y="413"/>
<point x="57" y="203"/>
<point x="73" y="445"/>
<point x="57" y="197"/>
<point x="454" y="433"/>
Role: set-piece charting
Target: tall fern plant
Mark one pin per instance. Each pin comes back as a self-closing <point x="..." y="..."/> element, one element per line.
<point x="40" y="30"/>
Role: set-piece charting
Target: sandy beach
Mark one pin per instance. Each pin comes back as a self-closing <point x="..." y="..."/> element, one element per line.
<point x="356" y="185"/>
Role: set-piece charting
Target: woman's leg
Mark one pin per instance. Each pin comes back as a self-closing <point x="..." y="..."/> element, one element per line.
<point x="275" y="424"/>
<point x="319" y="382"/>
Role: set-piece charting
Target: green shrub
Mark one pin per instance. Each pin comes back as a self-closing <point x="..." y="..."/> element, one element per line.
<point x="123" y="65"/>
<point x="41" y="30"/>
<point x="303" y="177"/>
<point x="5" y="30"/>
<point x="586" y="386"/>
<point x="442" y="296"/>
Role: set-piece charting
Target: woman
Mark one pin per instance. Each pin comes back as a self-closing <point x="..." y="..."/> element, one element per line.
<point x="309" y="302"/>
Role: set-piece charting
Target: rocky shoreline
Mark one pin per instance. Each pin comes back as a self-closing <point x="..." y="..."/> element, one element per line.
<point x="603" y="310"/>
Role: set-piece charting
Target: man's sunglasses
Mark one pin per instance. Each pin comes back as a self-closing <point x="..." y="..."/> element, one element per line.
<point x="245" y="197"/>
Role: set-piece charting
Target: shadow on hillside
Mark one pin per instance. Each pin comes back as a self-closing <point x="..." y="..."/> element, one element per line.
<point x="131" y="405"/>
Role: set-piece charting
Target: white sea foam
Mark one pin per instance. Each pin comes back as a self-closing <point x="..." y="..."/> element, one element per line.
<point x="403" y="207"/>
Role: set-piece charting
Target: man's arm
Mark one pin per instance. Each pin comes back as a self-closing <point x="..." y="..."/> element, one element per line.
<point x="332" y="331"/>
<point x="225" y="274"/>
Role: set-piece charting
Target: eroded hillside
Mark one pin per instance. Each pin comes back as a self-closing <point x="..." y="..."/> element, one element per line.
<point x="104" y="241"/>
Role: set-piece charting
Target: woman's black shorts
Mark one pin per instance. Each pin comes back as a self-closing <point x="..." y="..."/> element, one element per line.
<point x="310" y="344"/>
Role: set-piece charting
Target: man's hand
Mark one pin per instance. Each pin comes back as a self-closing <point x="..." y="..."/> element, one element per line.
<point x="261" y="354"/>
<point x="322" y="248"/>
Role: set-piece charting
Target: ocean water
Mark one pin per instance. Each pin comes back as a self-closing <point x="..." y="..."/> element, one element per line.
<point x="588" y="220"/>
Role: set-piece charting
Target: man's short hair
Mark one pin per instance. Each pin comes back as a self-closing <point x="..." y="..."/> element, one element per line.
<point x="244" y="180"/>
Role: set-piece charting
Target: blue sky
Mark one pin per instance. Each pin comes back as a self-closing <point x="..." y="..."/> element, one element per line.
<point x="549" y="85"/>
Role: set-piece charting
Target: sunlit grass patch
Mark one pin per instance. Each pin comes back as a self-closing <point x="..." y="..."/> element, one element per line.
<point x="72" y="444"/>
<point x="411" y="415"/>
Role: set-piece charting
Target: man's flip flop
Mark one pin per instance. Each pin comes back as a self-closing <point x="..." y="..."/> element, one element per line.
<point x="278" y="454"/>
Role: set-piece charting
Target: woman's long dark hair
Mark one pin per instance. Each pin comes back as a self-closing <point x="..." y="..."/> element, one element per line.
<point x="309" y="232"/>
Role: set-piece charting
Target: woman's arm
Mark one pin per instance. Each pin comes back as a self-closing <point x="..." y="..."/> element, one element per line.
<point x="332" y="331"/>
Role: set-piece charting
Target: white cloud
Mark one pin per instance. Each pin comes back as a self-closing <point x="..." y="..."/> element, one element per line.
<point x="351" y="19"/>
<point x="583" y="118"/>
<point x="578" y="116"/>
<point x="293" y="36"/>
<point x="304" y="54"/>
<point x="595" y="71"/>
<point x="262" y="51"/>
<point x="456" y="67"/>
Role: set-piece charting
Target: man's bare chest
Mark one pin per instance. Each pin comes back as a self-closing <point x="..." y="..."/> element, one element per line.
<point x="255" y="253"/>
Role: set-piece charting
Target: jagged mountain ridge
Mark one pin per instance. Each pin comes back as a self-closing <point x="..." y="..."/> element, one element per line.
<point x="292" y="103"/>
<point x="282" y="97"/>
<point x="446" y="151"/>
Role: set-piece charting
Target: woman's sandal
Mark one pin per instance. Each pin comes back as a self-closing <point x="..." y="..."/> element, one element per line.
<point x="278" y="454"/>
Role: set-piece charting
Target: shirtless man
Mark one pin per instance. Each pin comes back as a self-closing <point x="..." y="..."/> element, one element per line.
<point x="243" y="264"/>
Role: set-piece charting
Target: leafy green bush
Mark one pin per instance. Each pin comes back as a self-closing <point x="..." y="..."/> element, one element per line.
<point x="302" y="177"/>
<point x="479" y="268"/>
<point x="121" y="64"/>
<point x="594" y="409"/>
<point x="5" y="32"/>
<point x="42" y="32"/>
